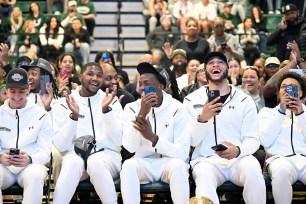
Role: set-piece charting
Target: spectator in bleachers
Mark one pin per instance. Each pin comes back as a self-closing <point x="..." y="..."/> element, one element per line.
<point x="25" y="166"/>
<point x="68" y="76"/>
<point x="282" y="133"/>
<point x="110" y="79"/>
<point x="60" y="5"/>
<point x="234" y="72"/>
<point x="77" y="41"/>
<point x="188" y="78"/>
<point x="205" y="12"/>
<point x="239" y="8"/>
<point x="237" y="131"/>
<point x="157" y="8"/>
<point x="16" y="22"/>
<point x="3" y="95"/>
<point x="70" y="14"/>
<point x="28" y="39"/>
<point x="292" y="28"/>
<point x="181" y="10"/>
<point x="161" y="151"/>
<point x="88" y="111"/>
<point x="164" y="33"/>
<point x="87" y="9"/>
<point x="36" y="15"/>
<point x="200" y="80"/>
<point x="248" y="38"/>
<point x="51" y="38"/>
<point x="122" y="75"/>
<point x="260" y="64"/>
<point x="273" y="71"/>
<point x="277" y="7"/>
<point x="195" y="46"/>
<point x="225" y="43"/>
<point x="251" y="82"/>
<point x="6" y="7"/>
<point x="178" y="59"/>
<point x="259" y="23"/>
<point x="230" y="21"/>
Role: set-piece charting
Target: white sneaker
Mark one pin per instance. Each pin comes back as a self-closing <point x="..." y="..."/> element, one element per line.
<point x="270" y="12"/>
<point x="277" y="12"/>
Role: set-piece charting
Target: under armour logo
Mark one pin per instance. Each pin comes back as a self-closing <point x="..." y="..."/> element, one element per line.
<point x="166" y="125"/>
<point x="31" y="127"/>
<point x="231" y="107"/>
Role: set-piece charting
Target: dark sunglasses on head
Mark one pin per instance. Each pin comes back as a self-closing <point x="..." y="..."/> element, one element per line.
<point x="272" y="66"/>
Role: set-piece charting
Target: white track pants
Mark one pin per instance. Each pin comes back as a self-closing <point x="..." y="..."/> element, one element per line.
<point x="138" y="171"/>
<point x="31" y="179"/>
<point x="244" y="172"/>
<point x="102" y="167"/>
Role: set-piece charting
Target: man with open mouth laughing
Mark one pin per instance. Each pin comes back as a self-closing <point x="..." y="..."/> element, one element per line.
<point x="228" y="121"/>
<point x="88" y="111"/>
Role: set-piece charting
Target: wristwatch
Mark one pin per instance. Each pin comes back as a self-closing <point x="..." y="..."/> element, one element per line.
<point x="299" y="61"/>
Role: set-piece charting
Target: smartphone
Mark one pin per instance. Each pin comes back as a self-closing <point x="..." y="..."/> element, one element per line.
<point x="63" y="74"/>
<point x="44" y="79"/>
<point x="14" y="151"/>
<point x="292" y="90"/>
<point x="219" y="147"/>
<point x="212" y="94"/>
<point x="149" y="89"/>
<point x="105" y="57"/>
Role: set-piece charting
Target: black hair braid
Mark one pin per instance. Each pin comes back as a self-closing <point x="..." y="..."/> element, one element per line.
<point x="176" y="93"/>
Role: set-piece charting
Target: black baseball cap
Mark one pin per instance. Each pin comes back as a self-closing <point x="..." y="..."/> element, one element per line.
<point x="289" y="7"/>
<point x="23" y="60"/>
<point x="212" y="55"/>
<point x="146" y="67"/>
<point x="41" y="63"/>
<point x="17" y="78"/>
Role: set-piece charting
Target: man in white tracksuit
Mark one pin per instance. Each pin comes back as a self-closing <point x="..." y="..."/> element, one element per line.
<point x="156" y="131"/>
<point x="283" y="133"/>
<point x="27" y="128"/>
<point x="88" y="111"/>
<point x="236" y="127"/>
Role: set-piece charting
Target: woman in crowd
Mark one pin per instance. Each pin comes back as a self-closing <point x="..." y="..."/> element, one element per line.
<point x="51" y="38"/>
<point x="259" y="23"/>
<point x="181" y="10"/>
<point x="68" y="76"/>
<point x="195" y="46"/>
<point x="16" y="22"/>
<point x="189" y="77"/>
<point x="157" y="9"/>
<point x="248" y="40"/>
<point x="36" y="15"/>
<point x="234" y="70"/>
<point x="251" y="83"/>
<point x="28" y="40"/>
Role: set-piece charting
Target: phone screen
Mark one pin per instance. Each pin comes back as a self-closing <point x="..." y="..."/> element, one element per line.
<point x="105" y="57"/>
<point x="149" y="89"/>
<point x="63" y="74"/>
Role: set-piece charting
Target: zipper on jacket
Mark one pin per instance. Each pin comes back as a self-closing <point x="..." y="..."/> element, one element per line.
<point x="17" y="117"/>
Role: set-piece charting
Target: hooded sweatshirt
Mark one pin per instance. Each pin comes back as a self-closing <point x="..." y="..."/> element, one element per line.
<point x="167" y="121"/>
<point x="33" y="134"/>
<point x="107" y="126"/>
<point x="236" y="123"/>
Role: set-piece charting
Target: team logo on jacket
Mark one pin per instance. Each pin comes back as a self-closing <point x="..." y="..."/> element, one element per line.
<point x="5" y="129"/>
<point x="195" y="106"/>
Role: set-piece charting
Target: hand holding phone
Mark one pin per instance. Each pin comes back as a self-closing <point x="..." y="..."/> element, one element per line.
<point x="219" y="147"/>
<point x="63" y="73"/>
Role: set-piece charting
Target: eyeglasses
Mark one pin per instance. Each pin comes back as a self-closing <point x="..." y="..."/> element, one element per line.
<point x="272" y="66"/>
